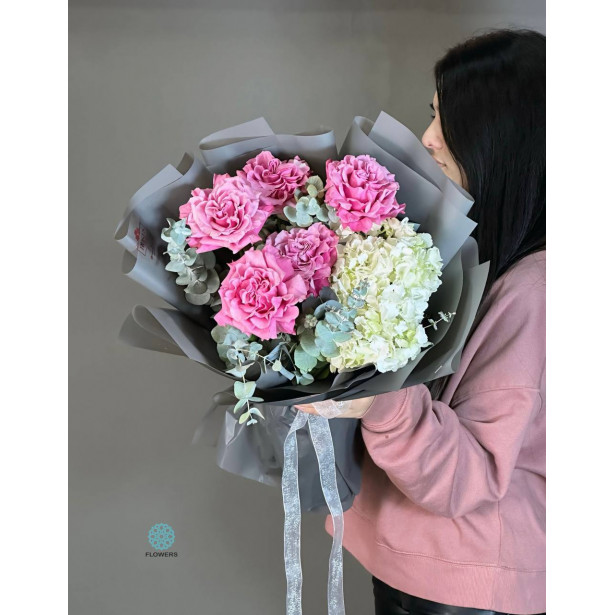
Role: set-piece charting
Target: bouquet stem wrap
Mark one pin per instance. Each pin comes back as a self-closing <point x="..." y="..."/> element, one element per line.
<point x="323" y="446"/>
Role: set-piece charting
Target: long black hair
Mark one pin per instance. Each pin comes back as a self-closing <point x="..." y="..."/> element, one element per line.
<point x="491" y="96"/>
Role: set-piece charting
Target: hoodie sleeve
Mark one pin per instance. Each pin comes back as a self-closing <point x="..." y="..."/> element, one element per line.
<point x="451" y="460"/>
<point x="447" y="464"/>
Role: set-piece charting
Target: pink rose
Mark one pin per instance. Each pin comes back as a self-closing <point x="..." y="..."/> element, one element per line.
<point x="276" y="180"/>
<point x="225" y="216"/>
<point x="361" y="191"/>
<point x="311" y="251"/>
<point x="259" y="295"/>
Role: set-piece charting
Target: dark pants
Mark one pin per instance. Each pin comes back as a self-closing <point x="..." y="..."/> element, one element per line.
<point x="391" y="601"/>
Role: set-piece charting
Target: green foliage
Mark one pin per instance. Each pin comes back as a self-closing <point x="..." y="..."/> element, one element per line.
<point x="195" y="271"/>
<point x="310" y="206"/>
<point x="244" y="392"/>
<point x="304" y="361"/>
<point x="235" y="349"/>
<point x="239" y="353"/>
<point x="444" y="316"/>
<point x="327" y="325"/>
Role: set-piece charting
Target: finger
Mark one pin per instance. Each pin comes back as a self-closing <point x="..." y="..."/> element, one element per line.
<point x="306" y="408"/>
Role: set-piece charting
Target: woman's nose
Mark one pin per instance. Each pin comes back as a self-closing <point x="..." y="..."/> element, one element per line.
<point x="431" y="139"/>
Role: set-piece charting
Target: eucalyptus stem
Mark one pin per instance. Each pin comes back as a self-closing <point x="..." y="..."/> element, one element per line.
<point x="443" y="317"/>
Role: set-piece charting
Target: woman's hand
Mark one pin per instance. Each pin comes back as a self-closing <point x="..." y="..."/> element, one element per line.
<point x="353" y="409"/>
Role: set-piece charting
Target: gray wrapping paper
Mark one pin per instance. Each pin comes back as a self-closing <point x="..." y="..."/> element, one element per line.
<point x="432" y="200"/>
<point x="258" y="454"/>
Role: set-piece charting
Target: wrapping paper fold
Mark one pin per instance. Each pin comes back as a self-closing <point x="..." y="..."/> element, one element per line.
<point x="432" y="200"/>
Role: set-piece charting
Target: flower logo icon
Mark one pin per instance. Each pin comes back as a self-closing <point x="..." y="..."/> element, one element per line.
<point x="161" y="536"/>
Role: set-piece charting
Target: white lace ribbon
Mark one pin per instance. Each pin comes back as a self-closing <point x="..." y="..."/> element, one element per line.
<point x="329" y="408"/>
<point x="323" y="446"/>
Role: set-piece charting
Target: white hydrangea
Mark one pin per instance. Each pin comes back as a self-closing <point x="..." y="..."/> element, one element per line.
<point x="403" y="268"/>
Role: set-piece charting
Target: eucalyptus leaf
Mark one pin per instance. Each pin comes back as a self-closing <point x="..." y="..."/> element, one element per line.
<point x="275" y="353"/>
<point x="340" y="337"/>
<point x="308" y="343"/>
<point x="240" y="404"/>
<point x="244" y="389"/>
<point x="304" y="361"/>
<point x="320" y="310"/>
<point x="257" y="412"/>
<point x="209" y="259"/>
<point x="322" y="332"/>
<point x="328" y="347"/>
<point x="333" y="318"/>
<point x="196" y="288"/>
<point x="312" y="207"/>
<point x="322" y="215"/>
<point x="194" y="270"/>
<point x="286" y="373"/>
<point x="189" y="259"/>
<point x="232" y="354"/>
<point x="347" y="325"/>
<point x="175" y="266"/>
<point x="197" y="299"/>
<point x="218" y="333"/>
<point x="304" y="379"/>
<point x="290" y="213"/>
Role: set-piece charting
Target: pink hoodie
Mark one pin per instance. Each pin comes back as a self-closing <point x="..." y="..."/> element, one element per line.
<point x="452" y="503"/>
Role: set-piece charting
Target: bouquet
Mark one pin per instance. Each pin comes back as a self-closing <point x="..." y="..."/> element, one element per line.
<point x="322" y="277"/>
<point x="304" y="274"/>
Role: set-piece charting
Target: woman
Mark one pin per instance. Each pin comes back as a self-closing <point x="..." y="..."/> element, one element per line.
<point x="451" y="514"/>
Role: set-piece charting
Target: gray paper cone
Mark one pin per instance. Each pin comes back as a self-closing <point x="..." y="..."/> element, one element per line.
<point x="257" y="453"/>
<point x="432" y="200"/>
